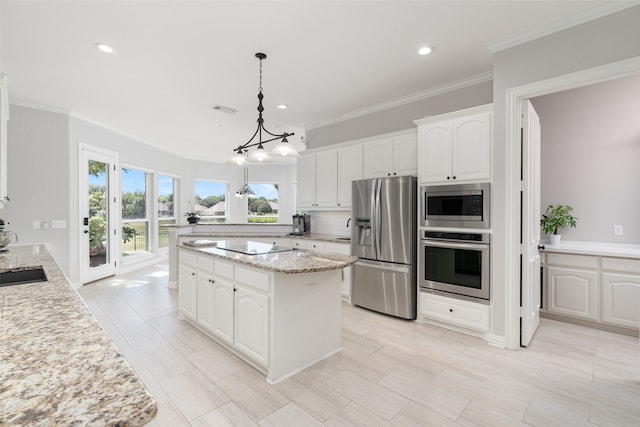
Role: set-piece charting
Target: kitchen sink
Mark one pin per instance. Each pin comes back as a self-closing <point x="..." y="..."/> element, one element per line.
<point x="18" y="277"/>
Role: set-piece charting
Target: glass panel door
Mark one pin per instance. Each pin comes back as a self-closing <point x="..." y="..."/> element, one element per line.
<point x="97" y="201"/>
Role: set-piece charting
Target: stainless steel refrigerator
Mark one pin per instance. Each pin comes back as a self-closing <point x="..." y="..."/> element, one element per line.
<point x="384" y="238"/>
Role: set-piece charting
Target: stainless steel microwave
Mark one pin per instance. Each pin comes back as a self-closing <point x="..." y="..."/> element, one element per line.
<point x="456" y="206"/>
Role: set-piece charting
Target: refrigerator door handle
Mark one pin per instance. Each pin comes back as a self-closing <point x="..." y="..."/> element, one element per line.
<point x="378" y="221"/>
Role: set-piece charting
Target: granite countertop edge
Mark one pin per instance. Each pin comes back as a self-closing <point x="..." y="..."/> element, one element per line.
<point x="310" y="236"/>
<point x="59" y="367"/>
<point x="291" y="262"/>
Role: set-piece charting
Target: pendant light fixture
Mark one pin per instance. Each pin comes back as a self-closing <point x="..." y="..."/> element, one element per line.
<point x="245" y="189"/>
<point x="259" y="154"/>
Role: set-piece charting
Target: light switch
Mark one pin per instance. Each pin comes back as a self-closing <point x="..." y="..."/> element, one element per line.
<point x="45" y="224"/>
<point x="617" y="230"/>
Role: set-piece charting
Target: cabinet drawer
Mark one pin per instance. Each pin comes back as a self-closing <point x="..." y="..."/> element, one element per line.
<point x="337" y="248"/>
<point x="313" y="245"/>
<point x="298" y="243"/>
<point x="570" y="260"/>
<point x="621" y="264"/>
<point x="188" y="258"/>
<point x="463" y="313"/>
<point x="205" y="263"/>
<point x="255" y="279"/>
<point x="223" y="269"/>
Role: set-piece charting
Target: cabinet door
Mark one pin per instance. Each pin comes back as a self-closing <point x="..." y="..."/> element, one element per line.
<point x="222" y="309"/>
<point x="472" y="148"/>
<point x="314" y="245"/>
<point x="573" y="292"/>
<point x="435" y="152"/>
<point x="620" y="297"/>
<point x="349" y="169"/>
<point x="343" y="249"/>
<point x="377" y="158"/>
<point x="298" y="243"/>
<point x="204" y="300"/>
<point x="405" y="155"/>
<point x="187" y="291"/>
<point x="306" y="181"/>
<point x="252" y="324"/>
<point x="327" y="178"/>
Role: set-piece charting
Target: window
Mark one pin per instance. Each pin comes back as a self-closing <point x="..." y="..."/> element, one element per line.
<point x="210" y="201"/>
<point x="135" y="220"/>
<point x="263" y="208"/>
<point x="166" y="209"/>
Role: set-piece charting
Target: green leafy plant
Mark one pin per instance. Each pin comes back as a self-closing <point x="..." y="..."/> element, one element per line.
<point x="557" y="217"/>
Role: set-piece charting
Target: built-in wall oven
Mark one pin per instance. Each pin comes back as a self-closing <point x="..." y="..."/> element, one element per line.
<point x="455" y="206"/>
<point x="456" y="264"/>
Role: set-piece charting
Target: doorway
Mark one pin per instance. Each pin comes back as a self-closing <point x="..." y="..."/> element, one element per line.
<point x="519" y="296"/>
<point x="98" y="213"/>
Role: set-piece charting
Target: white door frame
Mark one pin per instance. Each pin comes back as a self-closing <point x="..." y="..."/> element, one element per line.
<point x="514" y="98"/>
<point x="114" y="212"/>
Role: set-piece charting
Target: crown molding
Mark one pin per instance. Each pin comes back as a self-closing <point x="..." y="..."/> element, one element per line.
<point x="561" y="24"/>
<point x="428" y="93"/>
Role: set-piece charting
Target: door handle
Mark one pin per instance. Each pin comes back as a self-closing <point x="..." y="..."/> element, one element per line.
<point x="86" y="231"/>
<point x="541" y="247"/>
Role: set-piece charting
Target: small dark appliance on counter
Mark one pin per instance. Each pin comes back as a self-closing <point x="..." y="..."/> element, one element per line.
<point x="301" y="225"/>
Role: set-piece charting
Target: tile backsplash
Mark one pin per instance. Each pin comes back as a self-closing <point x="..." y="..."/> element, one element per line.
<point x="331" y="222"/>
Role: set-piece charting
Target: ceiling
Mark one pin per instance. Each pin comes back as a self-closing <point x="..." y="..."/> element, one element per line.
<point x="174" y="60"/>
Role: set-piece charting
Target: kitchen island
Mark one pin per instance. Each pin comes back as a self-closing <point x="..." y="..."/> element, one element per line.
<point x="57" y="365"/>
<point x="279" y="309"/>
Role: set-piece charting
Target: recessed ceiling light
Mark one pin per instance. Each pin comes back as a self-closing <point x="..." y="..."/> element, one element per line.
<point x="283" y="106"/>
<point x="425" y="50"/>
<point x="104" y="48"/>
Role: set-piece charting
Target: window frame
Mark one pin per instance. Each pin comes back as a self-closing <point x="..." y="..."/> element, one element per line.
<point x="149" y="206"/>
<point x="246" y="205"/>
<point x="176" y="205"/>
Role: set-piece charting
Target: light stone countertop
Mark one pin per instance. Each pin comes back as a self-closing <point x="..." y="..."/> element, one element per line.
<point x="310" y="236"/>
<point x="58" y="366"/>
<point x="618" y="250"/>
<point x="290" y="262"/>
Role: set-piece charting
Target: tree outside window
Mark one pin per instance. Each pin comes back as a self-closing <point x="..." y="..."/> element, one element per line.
<point x="210" y="201"/>
<point x="264" y="207"/>
<point x="135" y="222"/>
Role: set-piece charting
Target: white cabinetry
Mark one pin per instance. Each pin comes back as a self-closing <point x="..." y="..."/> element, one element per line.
<point x="573" y="285"/>
<point x="455" y="147"/>
<point x="344" y="249"/>
<point x="222" y="303"/>
<point x="349" y="169"/>
<point x="318" y="179"/>
<point x="621" y="291"/>
<point x="391" y="156"/>
<point x="187" y="284"/>
<point x="252" y="324"/>
<point x="468" y="314"/>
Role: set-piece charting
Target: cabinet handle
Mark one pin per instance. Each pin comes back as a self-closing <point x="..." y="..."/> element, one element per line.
<point x="388" y="174"/>
<point x="193" y="274"/>
<point x="451" y="310"/>
<point x="394" y="173"/>
<point x="454" y="177"/>
<point x="448" y="177"/>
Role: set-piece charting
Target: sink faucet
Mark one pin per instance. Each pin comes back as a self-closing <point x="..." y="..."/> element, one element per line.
<point x="348" y="221"/>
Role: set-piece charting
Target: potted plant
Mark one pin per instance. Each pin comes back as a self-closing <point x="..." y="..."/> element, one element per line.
<point x="557" y="217"/>
<point x="192" y="217"/>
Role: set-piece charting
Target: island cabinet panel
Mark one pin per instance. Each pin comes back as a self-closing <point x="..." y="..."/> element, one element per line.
<point x="253" y="278"/>
<point x="621" y="299"/>
<point x="204" y="300"/>
<point x="222" y="304"/>
<point x="187" y="283"/>
<point x="252" y="324"/>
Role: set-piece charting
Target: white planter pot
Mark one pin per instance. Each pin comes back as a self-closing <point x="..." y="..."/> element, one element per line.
<point x="555" y="239"/>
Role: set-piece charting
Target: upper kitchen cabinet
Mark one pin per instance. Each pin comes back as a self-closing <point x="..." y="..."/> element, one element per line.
<point x="349" y="169"/>
<point x="391" y="155"/>
<point x="318" y="180"/>
<point x="455" y="147"/>
<point x="4" y="118"/>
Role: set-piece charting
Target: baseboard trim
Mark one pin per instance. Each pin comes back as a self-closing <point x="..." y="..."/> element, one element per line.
<point x="596" y="325"/>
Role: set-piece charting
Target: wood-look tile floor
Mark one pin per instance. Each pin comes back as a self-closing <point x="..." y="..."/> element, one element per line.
<point x="390" y="372"/>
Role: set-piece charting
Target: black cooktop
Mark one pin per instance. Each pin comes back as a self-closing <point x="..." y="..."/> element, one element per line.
<point x="252" y="248"/>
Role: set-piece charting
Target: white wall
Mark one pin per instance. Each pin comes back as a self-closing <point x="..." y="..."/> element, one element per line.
<point x="43" y="177"/>
<point x="590" y="153"/>
<point x="38" y="178"/>
<point x="400" y="117"/>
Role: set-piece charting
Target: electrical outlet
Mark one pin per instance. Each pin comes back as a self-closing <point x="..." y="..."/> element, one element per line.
<point x="617" y="230"/>
<point x="58" y="223"/>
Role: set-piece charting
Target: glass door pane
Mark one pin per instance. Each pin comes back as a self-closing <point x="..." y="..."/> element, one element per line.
<point x="98" y="213"/>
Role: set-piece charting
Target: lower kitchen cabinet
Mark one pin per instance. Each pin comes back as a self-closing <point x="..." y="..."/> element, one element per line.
<point x="204" y="300"/>
<point x="621" y="299"/>
<point x="222" y="305"/>
<point x="187" y="289"/>
<point x="344" y="249"/>
<point x="468" y="314"/>
<point x="573" y="292"/>
<point x="252" y="324"/>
